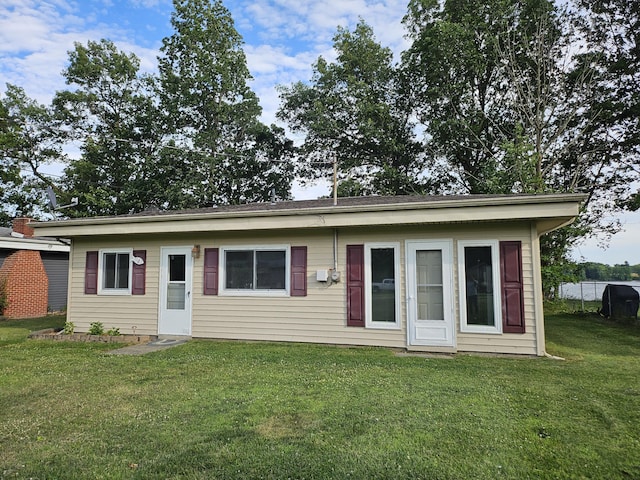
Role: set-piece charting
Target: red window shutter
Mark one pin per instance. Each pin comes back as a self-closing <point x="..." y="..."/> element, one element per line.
<point x="91" y="274"/>
<point x="298" y="271"/>
<point x="355" y="285"/>
<point x="210" y="271"/>
<point x="512" y="291"/>
<point x="138" y="274"/>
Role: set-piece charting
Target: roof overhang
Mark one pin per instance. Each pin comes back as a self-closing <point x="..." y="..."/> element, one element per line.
<point x="42" y="245"/>
<point x="550" y="211"/>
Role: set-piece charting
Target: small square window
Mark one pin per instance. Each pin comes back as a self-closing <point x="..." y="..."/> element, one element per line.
<point x="114" y="269"/>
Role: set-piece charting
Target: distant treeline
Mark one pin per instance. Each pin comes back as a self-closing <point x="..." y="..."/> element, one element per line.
<point x="600" y="271"/>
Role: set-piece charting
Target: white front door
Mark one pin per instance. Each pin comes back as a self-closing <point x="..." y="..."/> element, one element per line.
<point x="175" y="291"/>
<point x="429" y="293"/>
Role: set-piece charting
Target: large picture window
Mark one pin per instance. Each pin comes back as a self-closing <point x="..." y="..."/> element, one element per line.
<point x="255" y="270"/>
<point x="114" y="270"/>
<point x="382" y="291"/>
<point x="479" y="287"/>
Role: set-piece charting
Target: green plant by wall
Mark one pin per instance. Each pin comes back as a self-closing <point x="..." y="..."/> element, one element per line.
<point x="114" y="332"/>
<point x="69" y="328"/>
<point x="4" y="301"/>
<point x="97" y="328"/>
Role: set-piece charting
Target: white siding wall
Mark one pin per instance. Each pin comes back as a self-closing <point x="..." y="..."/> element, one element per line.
<point x="319" y="317"/>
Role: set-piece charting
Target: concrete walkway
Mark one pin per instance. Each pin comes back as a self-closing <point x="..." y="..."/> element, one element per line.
<point x="155" y="346"/>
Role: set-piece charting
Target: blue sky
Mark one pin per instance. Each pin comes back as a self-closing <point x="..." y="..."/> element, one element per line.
<point x="282" y="40"/>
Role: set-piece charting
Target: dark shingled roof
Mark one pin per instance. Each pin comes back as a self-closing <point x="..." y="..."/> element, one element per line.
<point x="310" y="204"/>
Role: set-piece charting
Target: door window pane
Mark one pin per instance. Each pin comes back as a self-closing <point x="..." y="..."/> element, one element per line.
<point x="430" y="303"/>
<point x="175" y="296"/>
<point x="479" y="285"/>
<point x="177" y="268"/>
<point x="430" y="292"/>
<point x="383" y="287"/>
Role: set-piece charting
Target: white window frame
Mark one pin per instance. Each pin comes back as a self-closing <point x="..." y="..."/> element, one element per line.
<point x="462" y="287"/>
<point x="238" y="292"/>
<point x="114" y="291"/>
<point x="369" y="323"/>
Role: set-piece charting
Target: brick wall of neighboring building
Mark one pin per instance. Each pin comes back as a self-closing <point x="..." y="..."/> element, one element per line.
<point x="25" y="284"/>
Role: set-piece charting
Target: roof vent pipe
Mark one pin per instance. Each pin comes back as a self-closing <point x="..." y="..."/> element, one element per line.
<point x="335" y="181"/>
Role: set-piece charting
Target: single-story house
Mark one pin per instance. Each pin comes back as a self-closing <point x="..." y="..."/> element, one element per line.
<point x="33" y="271"/>
<point x="423" y="273"/>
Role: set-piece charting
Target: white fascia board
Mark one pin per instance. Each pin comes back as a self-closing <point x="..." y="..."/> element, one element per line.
<point x="33" y="244"/>
<point x="442" y="211"/>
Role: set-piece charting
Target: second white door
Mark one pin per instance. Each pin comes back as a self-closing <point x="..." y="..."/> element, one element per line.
<point x="175" y="291"/>
<point x="429" y="293"/>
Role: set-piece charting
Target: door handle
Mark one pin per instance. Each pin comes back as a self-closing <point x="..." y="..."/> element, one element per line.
<point x="188" y="294"/>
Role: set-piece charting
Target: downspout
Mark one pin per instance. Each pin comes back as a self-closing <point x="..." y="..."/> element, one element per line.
<point x="538" y="296"/>
<point x="335" y="249"/>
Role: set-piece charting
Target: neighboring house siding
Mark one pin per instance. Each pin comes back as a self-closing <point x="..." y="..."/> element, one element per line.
<point x="24" y="282"/>
<point x="57" y="268"/>
<point x="321" y="315"/>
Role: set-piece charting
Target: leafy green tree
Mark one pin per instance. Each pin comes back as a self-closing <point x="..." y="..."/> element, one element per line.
<point x="212" y="114"/>
<point x="610" y="31"/>
<point x="113" y="115"/>
<point x="511" y="108"/>
<point x="353" y="112"/>
<point x="482" y="73"/>
<point x="30" y="137"/>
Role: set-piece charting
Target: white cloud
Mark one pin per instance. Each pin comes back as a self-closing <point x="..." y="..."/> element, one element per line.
<point x="36" y="36"/>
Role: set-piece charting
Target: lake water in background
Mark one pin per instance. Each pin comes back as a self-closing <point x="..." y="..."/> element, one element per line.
<point x="590" y="290"/>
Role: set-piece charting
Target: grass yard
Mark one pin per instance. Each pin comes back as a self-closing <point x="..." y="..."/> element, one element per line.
<point x="207" y="410"/>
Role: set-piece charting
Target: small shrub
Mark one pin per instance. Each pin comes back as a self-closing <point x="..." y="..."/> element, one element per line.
<point x="69" y="328"/>
<point x="4" y="301"/>
<point x="114" y="332"/>
<point x="97" y="328"/>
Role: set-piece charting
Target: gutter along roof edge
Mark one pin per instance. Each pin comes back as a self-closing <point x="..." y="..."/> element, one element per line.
<point x="458" y="202"/>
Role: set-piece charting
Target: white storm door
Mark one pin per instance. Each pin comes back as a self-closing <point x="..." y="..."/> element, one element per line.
<point x="175" y="291"/>
<point x="429" y="293"/>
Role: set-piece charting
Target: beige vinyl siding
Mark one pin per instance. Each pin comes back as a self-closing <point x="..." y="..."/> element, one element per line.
<point x="507" y="342"/>
<point x="132" y="314"/>
<point x="320" y="317"/>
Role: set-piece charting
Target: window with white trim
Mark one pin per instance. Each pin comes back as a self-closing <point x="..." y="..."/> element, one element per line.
<point x="114" y="272"/>
<point x="255" y="270"/>
<point x="382" y="285"/>
<point x="479" y="276"/>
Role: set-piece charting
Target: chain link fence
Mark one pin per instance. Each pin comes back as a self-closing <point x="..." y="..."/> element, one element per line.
<point x="590" y="291"/>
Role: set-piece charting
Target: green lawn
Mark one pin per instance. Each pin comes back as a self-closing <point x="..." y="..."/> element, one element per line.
<point x="229" y="410"/>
